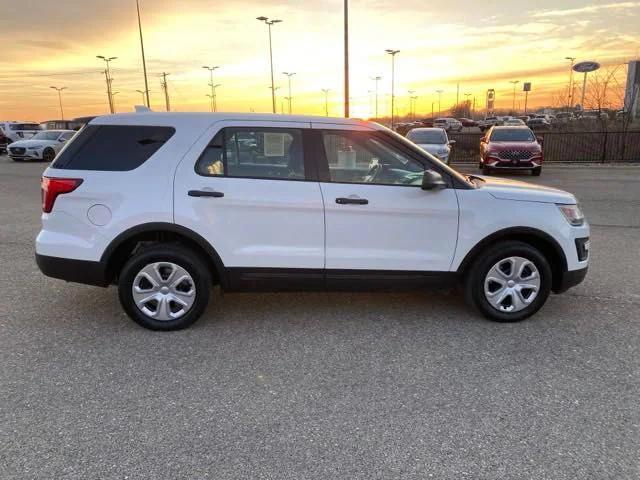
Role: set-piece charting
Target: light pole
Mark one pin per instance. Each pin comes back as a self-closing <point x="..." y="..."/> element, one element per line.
<point x="144" y="62"/>
<point x="289" y="74"/>
<point x="514" y="82"/>
<point x="376" y="79"/>
<point x="439" y="92"/>
<point x="273" y="90"/>
<point x="326" y="100"/>
<point x="393" y="54"/>
<point x="411" y="92"/>
<point x="415" y="101"/>
<point x="571" y="60"/>
<point x="59" y="90"/>
<point x="113" y="99"/>
<point x="211" y="69"/>
<point x="142" y="92"/>
<point x="214" y="96"/>
<point x="109" y="80"/>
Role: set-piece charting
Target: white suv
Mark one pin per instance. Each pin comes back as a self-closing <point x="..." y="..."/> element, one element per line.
<point x="165" y="205"/>
<point x="448" y="124"/>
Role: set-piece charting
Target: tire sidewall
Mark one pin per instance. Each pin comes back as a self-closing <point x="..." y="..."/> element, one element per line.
<point x="51" y="152"/>
<point x="475" y="281"/>
<point x="180" y="256"/>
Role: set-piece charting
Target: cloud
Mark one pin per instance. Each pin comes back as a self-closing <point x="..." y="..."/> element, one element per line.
<point x="583" y="10"/>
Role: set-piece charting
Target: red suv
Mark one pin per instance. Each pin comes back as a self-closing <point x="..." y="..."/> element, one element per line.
<point x="506" y="147"/>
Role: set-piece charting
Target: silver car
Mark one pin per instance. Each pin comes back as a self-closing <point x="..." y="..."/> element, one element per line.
<point x="432" y="140"/>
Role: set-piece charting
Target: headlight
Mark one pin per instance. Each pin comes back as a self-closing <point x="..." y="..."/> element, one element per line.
<point x="443" y="151"/>
<point x="36" y="147"/>
<point x="573" y="214"/>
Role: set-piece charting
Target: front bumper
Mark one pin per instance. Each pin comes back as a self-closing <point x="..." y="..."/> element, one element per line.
<point x="72" y="270"/>
<point x="27" y="155"/>
<point x="570" y="279"/>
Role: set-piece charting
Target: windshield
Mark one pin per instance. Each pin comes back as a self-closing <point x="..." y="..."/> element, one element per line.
<point x="427" y="136"/>
<point x="50" y="135"/>
<point x="512" y="135"/>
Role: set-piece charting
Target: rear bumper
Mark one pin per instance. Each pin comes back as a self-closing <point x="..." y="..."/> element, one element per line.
<point x="71" y="270"/>
<point x="570" y="279"/>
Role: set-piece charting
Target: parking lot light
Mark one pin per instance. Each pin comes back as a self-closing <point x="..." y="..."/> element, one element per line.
<point x="273" y="90"/>
<point x="59" y="90"/>
<point x="393" y="54"/>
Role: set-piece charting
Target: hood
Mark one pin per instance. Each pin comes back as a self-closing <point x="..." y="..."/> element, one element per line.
<point x="30" y="143"/>
<point x="432" y="148"/>
<point x="505" y="189"/>
<point x="527" y="146"/>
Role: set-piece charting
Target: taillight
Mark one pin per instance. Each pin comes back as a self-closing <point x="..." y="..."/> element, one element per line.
<point x="52" y="187"/>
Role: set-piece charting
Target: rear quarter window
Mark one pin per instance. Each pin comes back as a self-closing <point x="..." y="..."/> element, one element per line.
<point x="113" y="148"/>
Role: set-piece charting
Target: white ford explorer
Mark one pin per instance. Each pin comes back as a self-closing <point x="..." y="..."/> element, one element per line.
<point x="165" y="205"/>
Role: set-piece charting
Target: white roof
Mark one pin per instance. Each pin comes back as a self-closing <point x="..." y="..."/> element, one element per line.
<point x="202" y="119"/>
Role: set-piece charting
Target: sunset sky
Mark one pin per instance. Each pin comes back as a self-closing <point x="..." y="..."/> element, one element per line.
<point x="479" y="44"/>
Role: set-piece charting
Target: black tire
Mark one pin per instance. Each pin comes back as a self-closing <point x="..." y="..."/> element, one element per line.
<point x="486" y="170"/>
<point x="475" y="277"/>
<point x="536" y="171"/>
<point x="480" y="165"/>
<point x="48" y="155"/>
<point x="176" y="254"/>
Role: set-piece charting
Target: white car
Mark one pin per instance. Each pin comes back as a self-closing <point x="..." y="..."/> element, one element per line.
<point x="513" y="122"/>
<point x="13" y="131"/>
<point x="166" y="205"/>
<point x="432" y="140"/>
<point x="449" y="124"/>
<point x="44" y="145"/>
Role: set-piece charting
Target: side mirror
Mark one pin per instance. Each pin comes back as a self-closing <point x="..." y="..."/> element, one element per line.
<point x="432" y="181"/>
<point x="452" y="143"/>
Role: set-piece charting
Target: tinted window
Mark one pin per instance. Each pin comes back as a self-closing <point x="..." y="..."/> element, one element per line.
<point x="271" y="153"/>
<point x="359" y="157"/>
<point x="512" y="135"/>
<point x="427" y="136"/>
<point x="112" y="147"/>
<point x="46" y="135"/>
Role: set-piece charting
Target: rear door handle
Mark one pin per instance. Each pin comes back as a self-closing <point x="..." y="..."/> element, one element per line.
<point x="352" y="201"/>
<point x="205" y="193"/>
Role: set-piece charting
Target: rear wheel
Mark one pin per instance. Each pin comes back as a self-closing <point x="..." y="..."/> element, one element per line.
<point x="536" y="171"/>
<point x="509" y="282"/>
<point x="165" y="287"/>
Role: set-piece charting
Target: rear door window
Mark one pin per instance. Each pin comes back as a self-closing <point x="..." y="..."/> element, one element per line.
<point x="114" y="148"/>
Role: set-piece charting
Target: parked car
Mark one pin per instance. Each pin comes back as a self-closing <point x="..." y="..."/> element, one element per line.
<point x="433" y="140"/>
<point x="513" y="122"/>
<point x="42" y="146"/>
<point x="13" y="131"/>
<point x="510" y="148"/>
<point x="539" y="124"/>
<point x="449" y="124"/>
<point x="166" y="205"/>
<point x="525" y="118"/>
<point x="565" y="117"/>
<point x="426" y="122"/>
<point x="489" y="122"/>
<point x="467" y="122"/>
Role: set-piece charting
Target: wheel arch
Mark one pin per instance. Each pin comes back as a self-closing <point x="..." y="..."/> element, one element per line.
<point x="126" y="243"/>
<point x="544" y="242"/>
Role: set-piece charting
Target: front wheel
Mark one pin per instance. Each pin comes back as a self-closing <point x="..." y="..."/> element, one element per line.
<point x="48" y="155"/>
<point x="509" y="282"/>
<point x="536" y="171"/>
<point x="165" y="287"/>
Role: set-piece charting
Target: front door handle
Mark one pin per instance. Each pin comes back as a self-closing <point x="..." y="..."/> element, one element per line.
<point x="352" y="201"/>
<point x="205" y="193"/>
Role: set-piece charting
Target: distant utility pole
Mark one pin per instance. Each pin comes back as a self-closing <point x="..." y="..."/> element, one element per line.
<point x="144" y="62"/>
<point x="113" y="99"/>
<point x="326" y="101"/>
<point x="411" y="92"/>
<point x="514" y="82"/>
<point x="432" y="103"/>
<point x="376" y="79"/>
<point x="467" y="95"/>
<point x="457" y="93"/>
<point x="415" y="102"/>
<point x="346" y="58"/>
<point x="213" y="95"/>
<point x="289" y="74"/>
<point x="165" y="88"/>
<point x="107" y="74"/>
<point x="393" y="54"/>
<point x="273" y="90"/>
<point x="439" y="92"/>
<point x="59" y="90"/>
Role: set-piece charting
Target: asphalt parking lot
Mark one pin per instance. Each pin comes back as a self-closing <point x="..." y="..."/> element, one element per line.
<point x="324" y="385"/>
